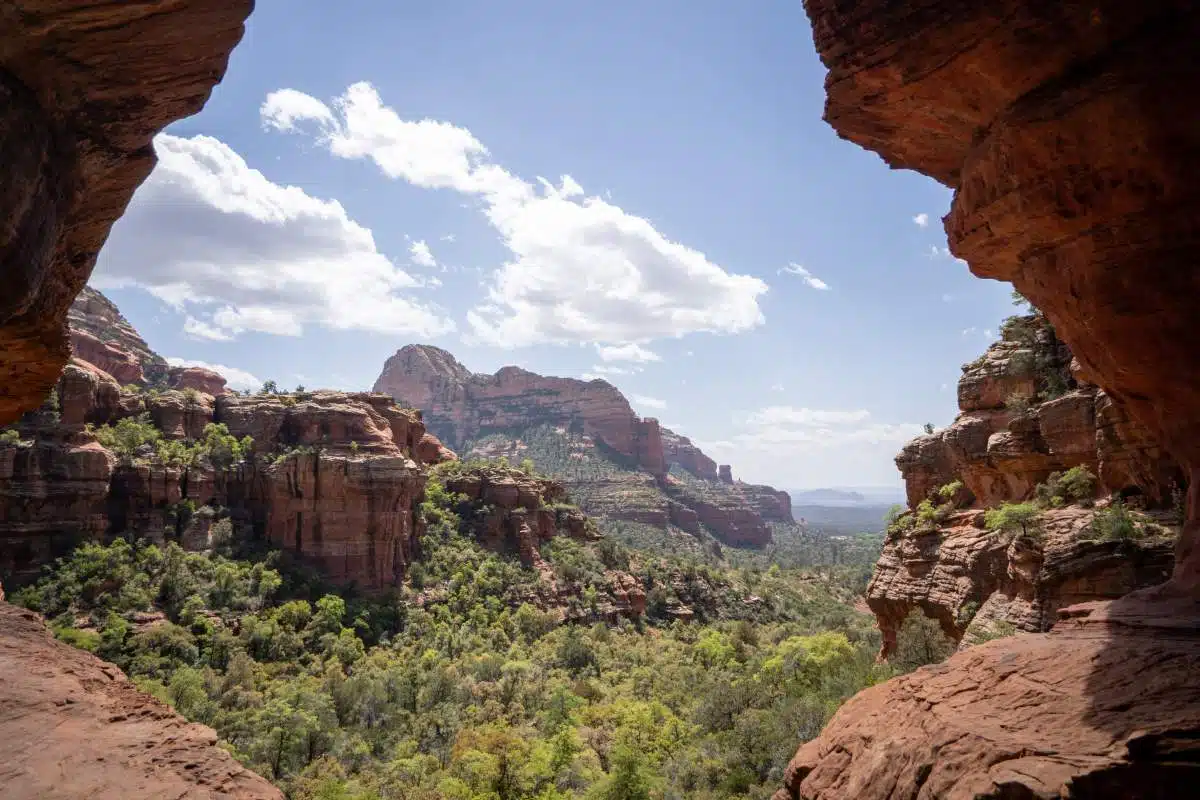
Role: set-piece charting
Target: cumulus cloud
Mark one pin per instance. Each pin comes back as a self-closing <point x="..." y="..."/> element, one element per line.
<point x="235" y="252"/>
<point x="420" y="254"/>
<point x="806" y="276"/>
<point x="793" y="446"/>
<point x="921" y="220"/>
<point x="579" y="267"/>
<point x="236" y="378"/>
<point x="627" y="352"/>
<point x="648" y="402"/>
<point x="604" y="369"/>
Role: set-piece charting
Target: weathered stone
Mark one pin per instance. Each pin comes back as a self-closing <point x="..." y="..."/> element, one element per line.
<point x="199" y="379"/>
<point x="75" y="726"/>
<point x="83" y="88"/>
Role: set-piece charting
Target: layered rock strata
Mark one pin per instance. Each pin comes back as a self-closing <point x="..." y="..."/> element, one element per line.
<point x="630" y="457"/>
<point x="332" y="476"/>
<point x="83" y="90"/>
<point x="1068" y="136"/>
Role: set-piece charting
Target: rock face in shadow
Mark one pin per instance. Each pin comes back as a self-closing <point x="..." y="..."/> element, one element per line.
<point x="75" y="726"/>
<point x="1069" y="141"/>
<point x="84" y="87"/>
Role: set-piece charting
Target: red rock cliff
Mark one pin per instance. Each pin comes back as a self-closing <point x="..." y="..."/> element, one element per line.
<point x="84" y="87"/>
<point x="1069" y="137"/>
<point x="463" y="408"/>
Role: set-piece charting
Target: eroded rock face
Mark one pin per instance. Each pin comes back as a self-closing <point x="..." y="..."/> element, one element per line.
<point x="75" y="726"/>
<point x="1001" y="448"/>
<point x="197" y="379"/>
<point x="517" y="513"/>
<point x="83" y="89"/>
<point x="968" y="578"/>
<point x="334" y="477"/>
<point x="589" y="417"/>
<point x="1065" y="132"/>
<point x="1100" y="708"/>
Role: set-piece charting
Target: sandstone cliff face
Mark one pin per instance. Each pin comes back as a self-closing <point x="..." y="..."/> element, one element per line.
<point x="615" y="463"/>
<point x="968" y="578"/>
<point x="460" y="405"/>
<point x="334" y="477"/>
<point x="83" y="90"/>
<point x="75" y="726"/>
<point x="102" y="336"/>
<point x="1066" y="137"/>
<point x="1013" y="432"/>
<point x="512" y="512"/>
<point x="1009" y="438"/>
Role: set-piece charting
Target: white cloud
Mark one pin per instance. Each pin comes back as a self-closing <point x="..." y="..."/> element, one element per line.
<point x="235" y="252"/>
<point x="449" y="237"/>
<point x="810" y="279"/>
<point x="921" y="220"/>
<point x="236" y="378"/>
<point x="420" y="254"/>
<point x="947" y="298"/>
<point x="649" y="402"/>
<point x="944" y="252"/>
<point x="804" y="447"/>
<point x="627" y="352"/>
<point x="969" y="331"/>
<point x="602" y="369"/>
<point x="777" y="387"/>
<point x="580" y="268"/>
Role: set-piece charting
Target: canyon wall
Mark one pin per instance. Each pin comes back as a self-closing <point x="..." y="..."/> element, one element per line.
<point x="617" y="464"/>
<point x="1069" y="138"/>
<point x="83" y="90"/>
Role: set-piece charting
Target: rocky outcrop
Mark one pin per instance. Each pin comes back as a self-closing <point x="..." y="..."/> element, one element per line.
<point x="198" y="379"/>
<point x="680" y="450"/>
<point x="75" y="726"/>
<point x="1066" y="136"/>
<point x="102" y="336"/>
<point x="459" y="405"/>
<point x="1102" y="707"/>
<point x="615" y="463"/>
<point x="333" y="477"/>
<point x="1014" y="431"/>
<point x="512" y="512"/>
<point x="84" y="88"/>
<point x="968" y="577"/>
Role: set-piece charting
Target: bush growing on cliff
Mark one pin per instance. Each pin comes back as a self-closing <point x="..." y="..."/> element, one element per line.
<point x="1076" y="485"/>
<point x="1116" y="523"/>
<point x="10" y="436"/>
<point x="1016" y="518"/>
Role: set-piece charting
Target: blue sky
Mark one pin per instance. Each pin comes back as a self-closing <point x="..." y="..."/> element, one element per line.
<point x="370" y="174"/>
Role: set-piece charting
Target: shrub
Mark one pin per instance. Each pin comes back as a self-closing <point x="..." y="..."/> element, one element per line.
<point x="1019" y="402"/>
<point x="996" y="629"/>
<point x="1077" y="483"/>
<point x="947" y="491"/>
<point x="1016" y="518"/>
<point x="10" y="436"/>
<point x="128" y="435"/>
<point x="1115" y="523"/>
<point x="928" y="427"/>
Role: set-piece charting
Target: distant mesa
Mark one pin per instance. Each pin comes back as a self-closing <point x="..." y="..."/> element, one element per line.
<point x="620" y="466"/>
